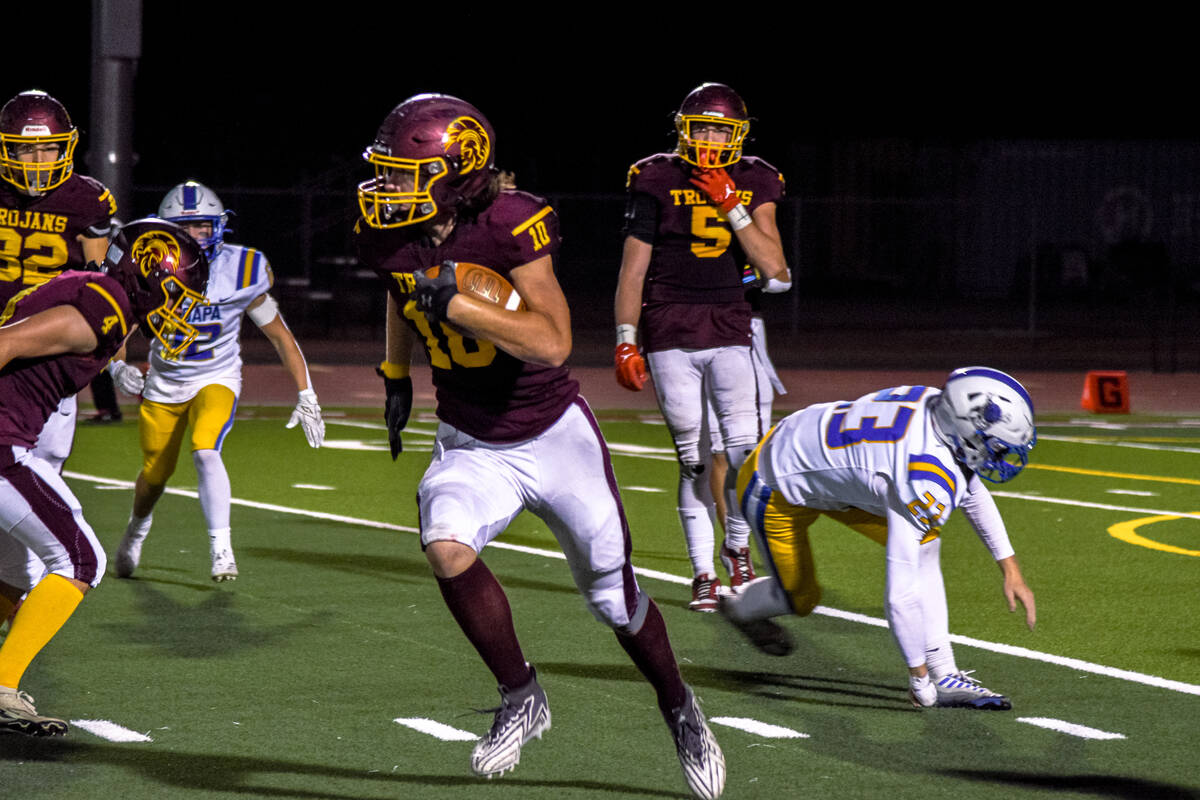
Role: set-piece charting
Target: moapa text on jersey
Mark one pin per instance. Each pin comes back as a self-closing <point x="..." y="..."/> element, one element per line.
<point x="694" y="197"/>
<point x="33" y="220"/>
<point x="204" y="313"/>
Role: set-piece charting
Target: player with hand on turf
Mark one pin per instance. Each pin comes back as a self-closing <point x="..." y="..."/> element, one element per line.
<point x="694" y="220"/>
<point x="196" y="381"/>
<point x="55" y="337"/>
<point x="513" y="432"/>
<point x="892" y="466"/>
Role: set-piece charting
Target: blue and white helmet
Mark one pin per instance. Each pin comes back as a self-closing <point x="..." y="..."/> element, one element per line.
<point x="192" y="201"/>
<point x="986" y="417"/>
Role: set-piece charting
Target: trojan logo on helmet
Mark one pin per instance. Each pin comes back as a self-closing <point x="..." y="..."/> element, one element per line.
<point x="433" y="155"/>
<point x="31" y="124"/>
<point x="712" y="125"/>
<point x="164" y="272"/>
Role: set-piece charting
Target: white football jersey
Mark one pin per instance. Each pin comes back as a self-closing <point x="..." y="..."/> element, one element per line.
<point x="237" y="276"/>
<point x="835" y="456"/>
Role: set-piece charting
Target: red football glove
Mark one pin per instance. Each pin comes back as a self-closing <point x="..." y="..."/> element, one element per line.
<point x="719" y="187"/>
<point x="631" y="369"/>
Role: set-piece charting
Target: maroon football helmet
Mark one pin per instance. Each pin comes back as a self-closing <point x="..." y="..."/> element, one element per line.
<point x="31" y="124"/>
<point x="432" y="154"/>
<point x="712" y="124"/>
<point x="165" y="273"/>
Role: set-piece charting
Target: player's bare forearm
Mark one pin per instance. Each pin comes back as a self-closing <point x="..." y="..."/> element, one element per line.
<point x="289" y="351"/>
<point x="52" y="332"/>
<point x="1016" y="590"/>
<point x="398" y="339"/>
<point x="540" y="335"/>
<point x="763" y="245"/>
<point x="635" y="262"/>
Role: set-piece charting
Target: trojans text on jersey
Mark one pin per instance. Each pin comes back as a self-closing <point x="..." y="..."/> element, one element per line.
<point x="33" y="220"/>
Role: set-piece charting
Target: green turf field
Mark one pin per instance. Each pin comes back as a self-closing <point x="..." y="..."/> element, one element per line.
<point x="287" y="683"/>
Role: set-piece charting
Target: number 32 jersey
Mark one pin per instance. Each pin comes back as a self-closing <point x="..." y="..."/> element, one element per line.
<point x="39" y="236"/>
<point x="835" y="456"/>
<point x="237" y="277"/>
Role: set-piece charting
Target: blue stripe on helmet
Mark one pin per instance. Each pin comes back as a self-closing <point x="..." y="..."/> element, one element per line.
<point x="995" y="374"/>
<point x="191" y="198"/>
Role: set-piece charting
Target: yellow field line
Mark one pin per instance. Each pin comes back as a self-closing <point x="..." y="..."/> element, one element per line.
<point x="1102" y="474"/>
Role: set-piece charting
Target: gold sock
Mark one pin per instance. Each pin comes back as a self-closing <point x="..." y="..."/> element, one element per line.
<point x="49" y="604"/>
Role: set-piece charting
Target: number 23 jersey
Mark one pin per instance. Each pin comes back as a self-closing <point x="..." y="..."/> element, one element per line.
<point x="237" y="277"/>
<point x="838" y="455"/>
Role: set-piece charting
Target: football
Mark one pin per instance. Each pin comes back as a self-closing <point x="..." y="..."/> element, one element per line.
<point x="484" y="283"/>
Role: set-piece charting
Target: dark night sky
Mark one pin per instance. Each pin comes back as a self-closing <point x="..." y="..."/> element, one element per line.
<point x="227" y="96"/>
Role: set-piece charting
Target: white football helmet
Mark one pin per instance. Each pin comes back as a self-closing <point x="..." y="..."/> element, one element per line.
<point x="986" y="417"/>
<point x="191" y="201"/>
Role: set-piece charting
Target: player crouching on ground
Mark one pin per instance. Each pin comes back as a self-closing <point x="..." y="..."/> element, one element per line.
<point x="892" y="466"/>
<point x="54" y="339"/>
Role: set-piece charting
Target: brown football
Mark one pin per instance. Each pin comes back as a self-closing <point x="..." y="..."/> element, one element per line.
<point x="484" y="283"/>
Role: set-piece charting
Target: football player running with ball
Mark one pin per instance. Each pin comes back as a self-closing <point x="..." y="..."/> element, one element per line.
<point x="695" y="219"/>
<point x="514" y="434"/>
<point x="892" y="466"/>
<point x="55" y="338"/>
<point x="196" y="382"/>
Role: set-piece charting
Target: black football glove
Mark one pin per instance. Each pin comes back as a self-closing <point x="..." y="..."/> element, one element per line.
<point x="433" y="296"/>
<point x="396" y="408"/>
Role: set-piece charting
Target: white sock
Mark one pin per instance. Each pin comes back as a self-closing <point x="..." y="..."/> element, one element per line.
<point x="139" y="527"/>
<point x="698" y="529"/>
<point x="219" y="540"/>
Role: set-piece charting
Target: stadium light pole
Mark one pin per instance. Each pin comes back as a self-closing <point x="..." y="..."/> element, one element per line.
<point x="116" y="48"/>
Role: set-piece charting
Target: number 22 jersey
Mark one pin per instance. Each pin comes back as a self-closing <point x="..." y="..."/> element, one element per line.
<point x="237" y="277"/>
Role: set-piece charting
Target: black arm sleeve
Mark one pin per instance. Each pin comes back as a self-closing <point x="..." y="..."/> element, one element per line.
<point x="641" y="217"/>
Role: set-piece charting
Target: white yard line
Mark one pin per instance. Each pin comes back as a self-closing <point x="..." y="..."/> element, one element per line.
<point x="763" y="729"/>
<point x="1070" y="728"/>
<point x="110" y="730"/>
<point x="1167" y="448"/>
<point x="436" y="729"/>
<point x="995" y="647"/>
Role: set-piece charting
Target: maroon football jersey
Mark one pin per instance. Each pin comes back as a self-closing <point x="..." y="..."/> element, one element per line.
<point x="31" y="388"/>
<point x="694" y="293"/>
<point x="39" y="235"/>
<point x="480" y="388"/>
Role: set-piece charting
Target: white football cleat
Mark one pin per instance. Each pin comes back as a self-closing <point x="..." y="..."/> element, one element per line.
<point x="960" y="690"/>
<point x="699" y="754"/>
<point x="224" y="568"/>
<point x="17" y="715"/>
<point x="523" y="714"/>
<point x="129" y="554"/>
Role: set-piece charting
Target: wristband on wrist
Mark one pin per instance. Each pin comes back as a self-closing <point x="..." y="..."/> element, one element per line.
<point x="393" y="371"/>
<point x="738" y="217"/>
<point x="627" y="334"/>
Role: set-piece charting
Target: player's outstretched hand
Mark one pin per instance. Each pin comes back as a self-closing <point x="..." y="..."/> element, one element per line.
<point x="631" y="369"/>
<point x="1017" y="591"/>
<point x="396" y="408"/>
<point x="307" y="415"/>
<point x="126" y="377"/>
